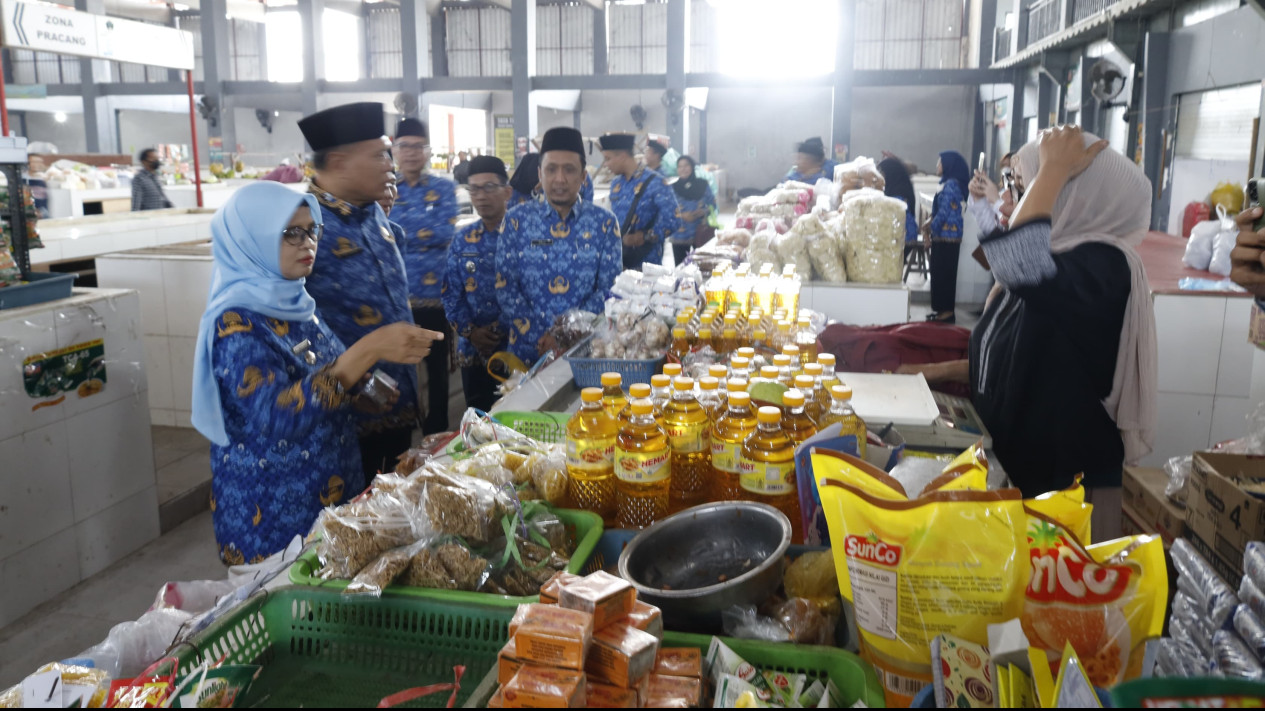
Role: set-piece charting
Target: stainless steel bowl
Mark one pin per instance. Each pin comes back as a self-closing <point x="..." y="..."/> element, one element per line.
<point x="701" y="561"/>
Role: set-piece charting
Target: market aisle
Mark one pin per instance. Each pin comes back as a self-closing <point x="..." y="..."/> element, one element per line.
<point x="83" y="615"/>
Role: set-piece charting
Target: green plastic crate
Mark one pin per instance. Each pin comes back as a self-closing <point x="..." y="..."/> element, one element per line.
<point x="854" y="677"/>
<point x="548" y="427"/>
<point x="321" y="648"/>
<point x="587" y="527"/>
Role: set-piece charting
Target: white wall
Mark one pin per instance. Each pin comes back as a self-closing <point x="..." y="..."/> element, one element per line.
<point x="752" y="133"/>
<point x="915" y="123"/>
<point x="1193" y="179"/>
<point x="69" y="137"/>
<point x="138" y="129"/>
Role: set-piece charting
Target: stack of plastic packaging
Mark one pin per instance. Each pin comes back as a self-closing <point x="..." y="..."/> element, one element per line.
<point x="874" y="249"/>
<point x="659" y="289"/>
<point x="1213" y="631"/>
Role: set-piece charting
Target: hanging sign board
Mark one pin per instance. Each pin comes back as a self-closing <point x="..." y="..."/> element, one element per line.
<point x="49" y="28"/>
<point x="503" y="141"/>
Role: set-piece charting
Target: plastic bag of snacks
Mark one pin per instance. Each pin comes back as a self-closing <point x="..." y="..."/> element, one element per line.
<point x="952" y="561"/>
<point x="1228" y="195"/>
<point x="874" y="250"/>
<point x="356" y="533"/>
<point x="793" y="248"/>
<point x="84" y="686"/>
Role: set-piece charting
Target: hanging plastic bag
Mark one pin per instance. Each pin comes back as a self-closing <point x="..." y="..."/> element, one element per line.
<point x="1224" y="243"/>
<point x="1203" y="237"/>
<point x="1228" y="195"/>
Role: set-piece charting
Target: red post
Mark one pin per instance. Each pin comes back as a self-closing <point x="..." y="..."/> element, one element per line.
<point x="4" y="103"/>
<point x="193" y="131"/>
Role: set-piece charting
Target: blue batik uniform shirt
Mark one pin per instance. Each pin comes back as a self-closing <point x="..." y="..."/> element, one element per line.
<point x="546" y="265"/>
<point x="359" y="286"/>
<point x="428" y="212"/>
<point x="586" y="193"/>
<point x="656" y="211"/>
<point x="688" y="229"/>
<point x="470" y="286"/>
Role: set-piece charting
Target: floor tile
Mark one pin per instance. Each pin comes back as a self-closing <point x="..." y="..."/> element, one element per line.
<point x="179" y="438"/>
<point x="186" y="472"/>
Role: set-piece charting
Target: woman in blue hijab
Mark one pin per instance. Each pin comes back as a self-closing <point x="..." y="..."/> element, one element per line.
<point x="946" y="234"/>
<point x="273" y="387"/>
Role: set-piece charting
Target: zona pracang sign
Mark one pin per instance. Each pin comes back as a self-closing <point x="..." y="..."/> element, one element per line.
<point x="47" y="28"/>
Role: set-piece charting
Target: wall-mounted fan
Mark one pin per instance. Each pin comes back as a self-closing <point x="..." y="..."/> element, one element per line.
<point x="1106" y="80"/>
<point x="638" y="115"/>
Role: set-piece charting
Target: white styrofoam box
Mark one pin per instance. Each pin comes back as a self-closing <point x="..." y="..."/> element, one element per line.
<point x="36" y="481"/>
<point x="188" y="282"/>
<point x="24" y="333"/>
<point x="182" y="352"/>
<point x="37" y="573"/>
<point x="1229" y="417"/>
<point x="144" y="276"/>
<point x="859" y="305"/>
<point x="158" y="370"/>
<point x="110" y="535"/>
<point x="1183" y="425"/>
<point x="1188" y="334"/>
<point x="1234" y="372"/>
<point x="111" y="455"/>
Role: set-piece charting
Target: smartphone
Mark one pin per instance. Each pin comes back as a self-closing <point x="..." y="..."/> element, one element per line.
<point x="981" y="160"/>
<point x="1255" y="187"/>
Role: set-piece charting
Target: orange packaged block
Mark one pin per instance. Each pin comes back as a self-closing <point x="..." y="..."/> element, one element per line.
<point x="497" y="701"/>
<point x="621" y="654"/>
<point x="602" y="595"/>
<point x="520" y="614"/>
<point x="554" y="636"/>
<point x="679" y="661"/>
<point x="606" y="696"/>
<point x="507" y="663"/>
<point x="549" y="591"/>
<point x="544" y="688"/>
<point x="647" y="618"/>
<point x="674" y="692"/>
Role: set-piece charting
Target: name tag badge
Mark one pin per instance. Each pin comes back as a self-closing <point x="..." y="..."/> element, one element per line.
<point x="541" y="242"/>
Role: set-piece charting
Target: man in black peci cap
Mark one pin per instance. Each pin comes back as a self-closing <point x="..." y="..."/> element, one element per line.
<point x="641" y="200"/>
<point x="358" y="280"/>
<point x="556" y="254"/>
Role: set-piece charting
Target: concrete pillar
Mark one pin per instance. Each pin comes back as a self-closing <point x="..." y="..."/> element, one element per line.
<point x="1154" y="100"/>
<point x="1017" y="87"/>
<point x="312" y="17"/>
<point x="216" y="68"/>
<point x="99" y="122"/>
<point x="601" y="63"/>
<point x="523" y="61"/>
<point x="1047" y="100"/>
<point x="678" y="58"/>
<point x="841" y="113"/>
<point x="438" y="44"/>
<point x="987" y="31"/>
<point x="413" y="22"/>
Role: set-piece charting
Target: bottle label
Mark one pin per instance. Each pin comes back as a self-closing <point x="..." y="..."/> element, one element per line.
<point x="695" y="437"/>
<point x="643" y="467"/>
<point x="768" y="478"/>
<point x="593" y="455"/>
<point x="725" y="456"/>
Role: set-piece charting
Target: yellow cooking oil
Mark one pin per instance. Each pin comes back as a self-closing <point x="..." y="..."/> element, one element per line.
<point x="795" y="420"/>
<point x="613" y="398"/>
<point x="767" y="468"/>
<point x="643" y="468"/>
<point x="728" y="342"/>
<point x="636" y="391"/>
<point x="728" y="434"/>
<point x="806" y="383"/>
<point x="591" y="455"/>
<point x="711" y="397"/>
<point x="689" y="430"/>
<point x="786" y="366"/>
<point x="841" y="411"/>
<point x="806" y="339"/>
<point x="660" y="392"/>
<point x="680" y="342"/>
<point x="828" y="377"/>
<point x="821" y="394"/>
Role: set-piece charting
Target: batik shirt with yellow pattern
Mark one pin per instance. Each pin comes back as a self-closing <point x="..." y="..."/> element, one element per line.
<point x="427" y="212"/>
<point x="293" y="447"/>
<point x="656" y="215"/>
<point x="359" y="286"/>
<point x="546" y="265"/>
<point x="470" y="286"/>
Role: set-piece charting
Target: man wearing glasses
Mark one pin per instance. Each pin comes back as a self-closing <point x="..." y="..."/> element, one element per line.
<point x="470" y="280"/>
<point x="426" y="207"/>
<point x="358" y="280"/>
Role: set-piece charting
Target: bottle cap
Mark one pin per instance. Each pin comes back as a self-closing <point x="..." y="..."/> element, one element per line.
<point x="717" y="371"/>
<point x="804" y="382"/>
<point x="672" y="369"/>
<point x="826" y="359"/>
<point x="731" y="319"/>
<point x="746" y="352"/>
<point x="782" y="361"/>
<point x="758" y="334"/>
<point x="609" y="379"/>
<point x="841" y="392"/>
<point x="736" y="385"/>
<point x="805" y="322"/>
<point x="639" y="390"/>
<point x="813" y="369"/>
<point x="739" y="399"/>
<point x="591" y="395"/>
<point x="678" y="332"/>
<point x="769" y="415"/>
<point x="705" y="334"/>
<point x="730" y="333"/>
<point x="660" y="381"/>
<point x="793" y="398"/>
<point x="683" y="317"/>
<point x="740" y="362"/>
<point x="783" y="325"/>
<point x="707" y="382"/>
<point x="769" y="372"/>
<point x="791" y="350"/>
<point x="642" y="407"/>
<point x="683" y="383"/>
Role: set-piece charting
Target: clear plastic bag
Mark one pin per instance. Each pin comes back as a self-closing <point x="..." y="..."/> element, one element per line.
<point x="823" y="249"/>
<point x="1178" y="469"/>
<point x="1250" y="594"/>
<point x="445" y="566"/>
<point x="1254" y="442"/>
<point x="1234" y="658"/>
<point x="1199" y="248"/>
<point x="374" y="577"/>
<point x="1254" y="563"/>
<point x="1217" y="599"/>
<point x="743" y="622"/>
<point x="356" y="533"/>
<point x="571" y="327"/>
<point x="1250" y="629"/>
<point x="1180" y="658"/>
<point x="875" y="243"/>
<point x="1223" y="244"/>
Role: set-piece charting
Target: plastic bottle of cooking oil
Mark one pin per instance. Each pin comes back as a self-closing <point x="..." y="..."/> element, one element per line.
<point x="806" y="340"/>
<point x="828" y="377"/>
<point x="660" y="392"/>
<point x="715" y="287"/>
<point x="806" y="384"/>
<point x="728" y="342"/>
<point x="787" y="290"/>
<point x="797" y="358"/>
<point x="683" y="320"/>
<point x="740" y="367"/>
<point x="759" y="340"/>
<point x="591" y="455"/>
<point x="680" y="343"/>
<point x="635" y="391"/>
<point x="730" y="431"/>
<point x="705" y="338"/>
<point x="821" y="395"/>
<point x="745" y="352"/>
<point x="785" y="369"/>
<point x="613" y="398"/>
<point x="795" y="420"/>
<point x="643" y="469"/>
<point x="689" y="429"/>
<point x="768" y="374"/>
<point x="841" y="411"/>
<point x="671" y="369"/>
<point x="767" y="468"/>
<point x="719" y="372"/>
<point x="763" y="289"/>
<point x="711" y="397"/>
<point x="736" y="385"/>
<point x="782" y="336"/>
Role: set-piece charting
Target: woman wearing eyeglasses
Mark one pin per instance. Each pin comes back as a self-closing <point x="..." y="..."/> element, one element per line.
<point x="273" y="387"/>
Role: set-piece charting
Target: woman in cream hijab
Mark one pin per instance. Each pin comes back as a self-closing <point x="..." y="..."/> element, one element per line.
<point x="1062" y="365"/>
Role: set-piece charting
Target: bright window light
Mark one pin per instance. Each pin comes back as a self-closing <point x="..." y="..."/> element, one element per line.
<point x="60" y="117"/>
<point x="753" y="39"/>
<point x="284" y="40"/>
<point x="342" y="46"/>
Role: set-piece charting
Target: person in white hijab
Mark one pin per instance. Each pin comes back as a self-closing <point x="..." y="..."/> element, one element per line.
<point x="1063" y="363"/>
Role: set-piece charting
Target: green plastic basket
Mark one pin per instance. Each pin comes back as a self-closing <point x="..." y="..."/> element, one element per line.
<point x="587" y="528"/>
<point x="541" y="426"/>
<point x="321" y="648"/>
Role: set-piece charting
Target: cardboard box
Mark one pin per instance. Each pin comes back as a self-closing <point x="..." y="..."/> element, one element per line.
<point x="554" y="636"/>
<point x="621" y="655"/>
<point x="1256" y="326"/>
<point x="1144" y="500"/>
<point x="1221" y="514"/>
<point x="543" y="688"/>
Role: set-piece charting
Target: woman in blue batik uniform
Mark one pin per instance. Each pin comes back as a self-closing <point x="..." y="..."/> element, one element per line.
<point x="695" y="201"/>
<point x="946" y="234"/>
<point x="272" y="385"/>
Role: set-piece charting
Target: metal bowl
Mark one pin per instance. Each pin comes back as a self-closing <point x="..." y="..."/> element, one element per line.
<point x="701" y="561"/>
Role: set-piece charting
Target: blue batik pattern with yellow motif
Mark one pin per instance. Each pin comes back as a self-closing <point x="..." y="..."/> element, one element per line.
<point x="359" y="286"/>
<point x="293" y="448"/>
<point x="656" y="212"/>
<point x="946" y="218"/>
<point x="546" y="264"/>
<point x="690" y="227"/>
<point x="470" y="286"/>
<point x="427" y="212"/>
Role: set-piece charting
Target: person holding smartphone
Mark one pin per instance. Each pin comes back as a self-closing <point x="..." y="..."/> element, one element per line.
<point x="1247" y="259"/>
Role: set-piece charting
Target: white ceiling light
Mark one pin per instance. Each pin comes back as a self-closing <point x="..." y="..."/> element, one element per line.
<point x="60" y="117"/>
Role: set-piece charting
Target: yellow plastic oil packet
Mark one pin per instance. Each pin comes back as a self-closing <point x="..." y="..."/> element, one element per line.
<point x="1066" y="507"/>
<point x="948" y="562"/>
<point x="967" y="472"/>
